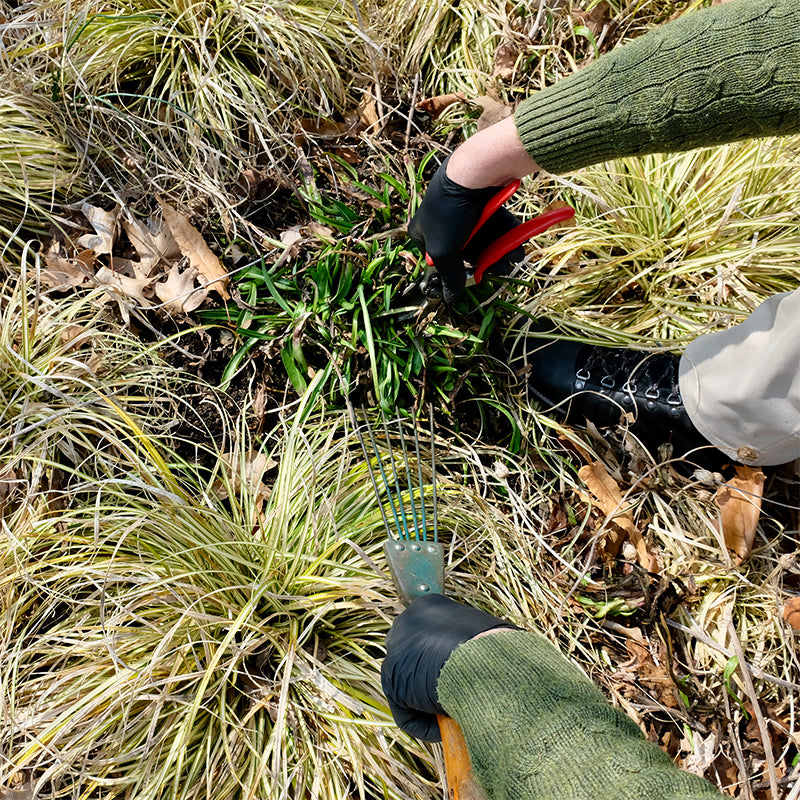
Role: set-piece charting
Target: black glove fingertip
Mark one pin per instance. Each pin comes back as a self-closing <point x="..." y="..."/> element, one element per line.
<point x="415" y="232"/>
<point x="453" y="283"/>
<point x="417" y="724"/>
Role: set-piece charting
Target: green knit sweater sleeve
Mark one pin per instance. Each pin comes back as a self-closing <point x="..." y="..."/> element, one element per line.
<point x="712" y="76"/>
<point x="538" y="729"/>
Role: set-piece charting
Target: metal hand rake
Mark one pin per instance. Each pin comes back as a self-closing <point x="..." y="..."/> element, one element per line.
<point x="416" y="563"/>
<point x="415" y="560"/>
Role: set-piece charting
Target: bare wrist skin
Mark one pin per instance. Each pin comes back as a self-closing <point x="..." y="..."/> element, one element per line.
<point x="492" y="157"/>
<point x="491" y="631"/>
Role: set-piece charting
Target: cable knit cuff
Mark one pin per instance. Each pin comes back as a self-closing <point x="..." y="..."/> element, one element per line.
<point x="537" y="728"/>
<point x="712" y="76"/>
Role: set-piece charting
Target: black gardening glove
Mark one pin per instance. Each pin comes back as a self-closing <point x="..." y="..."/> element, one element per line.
<point x="444" y="222"/>
<point x="420" y="641"/>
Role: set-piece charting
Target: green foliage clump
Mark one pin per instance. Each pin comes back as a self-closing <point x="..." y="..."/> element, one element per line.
<point x="341" y="308"/>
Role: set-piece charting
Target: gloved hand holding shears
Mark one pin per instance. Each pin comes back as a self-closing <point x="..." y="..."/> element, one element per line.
<point x="456" y="224"/>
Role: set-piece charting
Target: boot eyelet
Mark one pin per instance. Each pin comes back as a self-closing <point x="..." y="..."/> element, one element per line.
<point x="651" y="404"/>
<point x="652" y="393"/>
<point x="607" y="381"/>
<point x="674" y="412"/>
<point x="583" y="374"/>
<point x="579" y="384"/>
<point x="674" y="399"/>
<point x="627" y="399"/>
<point x="629" y="387"/>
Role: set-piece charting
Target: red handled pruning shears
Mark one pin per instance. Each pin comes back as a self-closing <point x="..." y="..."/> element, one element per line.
<point x="428" y="294"/>
<point x="511" y="239"/>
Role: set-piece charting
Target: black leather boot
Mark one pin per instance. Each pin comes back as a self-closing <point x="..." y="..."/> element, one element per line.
<point x="612" y="386"/>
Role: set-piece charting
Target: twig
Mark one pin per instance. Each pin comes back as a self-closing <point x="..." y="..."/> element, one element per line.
<point x="795" y="793"/>
<point x="784" y="781"/>
<point x="411" y="109"/>
<point x="538" y="21"/>
<point x="737" y="749"/>
<point x="744" y="670"/>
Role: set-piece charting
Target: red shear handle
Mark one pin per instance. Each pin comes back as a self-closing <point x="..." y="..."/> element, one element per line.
<point x="515" y="237"/>
<point x="493" y="205"/>
<point x="488" y="210"/>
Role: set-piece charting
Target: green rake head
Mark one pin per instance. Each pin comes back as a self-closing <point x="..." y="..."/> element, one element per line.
<point x="415" y="561"/>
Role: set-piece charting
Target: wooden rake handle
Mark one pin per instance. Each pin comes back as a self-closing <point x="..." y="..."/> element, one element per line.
<point x="461" y="783"/>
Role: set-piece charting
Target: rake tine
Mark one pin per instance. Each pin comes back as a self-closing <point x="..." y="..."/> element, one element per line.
<point x="433" y="478"/>
<point x="372" y="474"/>
<point x="396" y="483"/>
<point x="419" y="476"/>
<point x="408" y="477"/>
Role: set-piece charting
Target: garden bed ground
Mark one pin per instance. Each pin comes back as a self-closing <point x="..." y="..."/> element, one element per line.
<point x="193" y="595"/>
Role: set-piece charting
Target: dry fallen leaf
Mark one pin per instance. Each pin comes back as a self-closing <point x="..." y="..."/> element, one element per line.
<point x="193" y="246"/>
<point x="642" y="672"/>
<point x="326" y="128"/>
<point x="350" y="155"/>
<point x="436" y="105"/>
<point x="739" y="502"/>
<point x="178" y="292"/>
<point x="63" y="272"/>
<point x="368" y="112"/>
<point x="594" y="20"/>
<point x="493" y="111"/>
<point x="153" y="243"/>
<point x="791" y="612"/>
<point x="505" y="59"/>
<point x="323" y="231"/>
<point x="76" y="336"/>
<point x="8" y="485"/>
<point x="123" y="290"/>
<point x="608" y="497"/>
<point x="291" y="236"/>
<point x="260" y="184"/>
<point x="256" y="463"/>
<point x="703" y="752"/>
<point x="105" y="226"/>
<point x="574" y="445"/>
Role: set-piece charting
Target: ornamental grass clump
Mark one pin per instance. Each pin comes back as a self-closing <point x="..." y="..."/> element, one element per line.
<point x="38" y="168"/>
<point x="666" y="247"/>
<point x="451" y="45"/>
<point x="203" y="637"/>
<point x="178" y="92"/>
<point x="215" y="61"/>
<point x="70" y="387"/>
